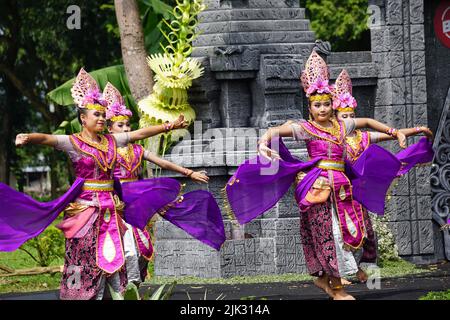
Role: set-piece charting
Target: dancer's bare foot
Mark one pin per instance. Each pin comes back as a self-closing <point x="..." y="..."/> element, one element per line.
<point x="345" y="282"/>
<point x="341" y="294"/>
<point x="362" y="276"/>
<point x="324" y="284"/>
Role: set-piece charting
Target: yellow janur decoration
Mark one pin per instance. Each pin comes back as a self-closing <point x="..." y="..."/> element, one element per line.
<point x="174" y="72"/>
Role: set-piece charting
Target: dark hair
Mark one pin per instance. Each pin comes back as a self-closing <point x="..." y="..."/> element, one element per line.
<point x="80" y="111"/>
<point x="109" y="123"/>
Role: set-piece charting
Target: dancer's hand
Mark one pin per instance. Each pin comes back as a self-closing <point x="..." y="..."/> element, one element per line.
<point x="266" y="152"/>
<point x="22" y="139"/>
<point x="199" y="176"/>
<point x="427" y="132"/>
<point x="401" y="139"/>
<point x="180" y="123"/>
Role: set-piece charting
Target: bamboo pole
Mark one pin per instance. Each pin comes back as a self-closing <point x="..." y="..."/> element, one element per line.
<point x="33" y="271"/>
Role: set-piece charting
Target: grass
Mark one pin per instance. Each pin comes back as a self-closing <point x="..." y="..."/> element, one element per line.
<point x="389" y="269"/>
<point x="289" y="277"/>
<point x="20" y="260"/>
<point x="436" y="295"/>
<point x="399" y="268"/>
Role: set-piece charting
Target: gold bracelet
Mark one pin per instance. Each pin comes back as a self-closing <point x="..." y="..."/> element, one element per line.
<point x="339" y="287"/>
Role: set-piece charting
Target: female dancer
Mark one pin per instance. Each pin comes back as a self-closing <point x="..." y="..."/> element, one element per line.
<point x="137" y="242"/>
<point x="93" y="225"/>
<point x="357" y="142"/>
<point x="331" y="220"/>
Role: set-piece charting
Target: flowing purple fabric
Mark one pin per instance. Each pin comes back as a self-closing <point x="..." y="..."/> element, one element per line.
<point x="371" y="175"/>
<point x="144" y="198"/>
<point x="199" y="215"/>
<point x="418" y="153"/>
<point x="251" y="193"/>
<point x="23" y="218"/>
<point x="373" y="172"/>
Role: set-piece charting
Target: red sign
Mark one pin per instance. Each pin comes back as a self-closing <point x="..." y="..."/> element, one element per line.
<point x="442" y="22"/>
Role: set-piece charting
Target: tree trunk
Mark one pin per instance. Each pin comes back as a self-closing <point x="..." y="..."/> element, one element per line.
<point x="4" y="143"/>
<point x="6" y="132"/>
<point x="134" y="56"/>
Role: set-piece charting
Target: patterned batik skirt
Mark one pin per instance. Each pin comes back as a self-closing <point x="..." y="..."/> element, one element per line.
<point x="81" y="278"/>
<point x="322" y="242"/>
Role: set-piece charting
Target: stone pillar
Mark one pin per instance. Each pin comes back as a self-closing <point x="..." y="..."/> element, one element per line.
<point x="398" y="49"/>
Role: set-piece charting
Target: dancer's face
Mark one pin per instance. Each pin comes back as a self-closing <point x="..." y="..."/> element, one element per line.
<point x="94" y="120"/>
<point x="321" y="111"/>
<point x="345" y="115"/>
<point x="120" y="126"/>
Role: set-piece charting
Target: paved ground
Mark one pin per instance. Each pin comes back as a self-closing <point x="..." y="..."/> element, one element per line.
<point x="406" y="288"/>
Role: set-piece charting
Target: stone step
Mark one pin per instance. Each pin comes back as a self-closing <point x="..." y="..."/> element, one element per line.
<point x="255" y="25"/>
<point x="274" y="48"/>
<point x="260" y="37"/>
<point x="240" y="4"/>
<point x="251" y="14"/>
<point x="349" y="57"/>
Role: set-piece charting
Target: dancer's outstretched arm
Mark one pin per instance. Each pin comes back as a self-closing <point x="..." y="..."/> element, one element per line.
<point x="198" y="176"/>
<point x="154" y="130"/>
<point x="36" y="138"/>
<point x="380" y="127"/>
<point x="284" y="130"/>
<point x="407" y="132"/>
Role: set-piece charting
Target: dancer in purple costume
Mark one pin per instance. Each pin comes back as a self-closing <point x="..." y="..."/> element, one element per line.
<point x="344" y="105"/>
<point x="93" y="224"/>
<point x="332" y="225"/>
<point x="137" y="242"/>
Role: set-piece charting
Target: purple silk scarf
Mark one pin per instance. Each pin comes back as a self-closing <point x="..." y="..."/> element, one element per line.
<point x="197" y="214"/>
<point x="23" y="218"/>
<point x="250" y="194"/>
<point x="418" y="153"/>
<point x="144" y="198"/>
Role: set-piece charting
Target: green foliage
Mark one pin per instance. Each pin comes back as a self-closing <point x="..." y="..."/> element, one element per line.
<point x="174" y="71"/>
<point x="387" y="247"/>
<point x="48" y="246"/>
<point x="132" y="293"/>
<point x="152" y="14"/>
<point x="436" y="295"/>
<point x="41" y="52"/>
<point x="342" y="22"/>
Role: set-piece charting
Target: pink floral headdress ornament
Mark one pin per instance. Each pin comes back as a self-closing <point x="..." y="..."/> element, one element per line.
<point x="343" y="101"/>
<point x="315" y="78"/>
<point x="86" y="93"/>
<point x="117" y="110"/>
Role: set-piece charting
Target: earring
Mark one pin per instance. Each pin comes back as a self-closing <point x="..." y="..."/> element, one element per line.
<point x="83" y="123"/>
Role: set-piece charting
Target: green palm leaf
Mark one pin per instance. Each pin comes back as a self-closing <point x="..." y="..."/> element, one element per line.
<point x="114" y="74"/>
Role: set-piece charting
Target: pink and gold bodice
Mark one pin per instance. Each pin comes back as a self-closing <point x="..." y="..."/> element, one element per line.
<point x="357" y="144"/>
<point x="325" y="143"/>
<point x="95" y="163"/>
<point x="129" y="160"/>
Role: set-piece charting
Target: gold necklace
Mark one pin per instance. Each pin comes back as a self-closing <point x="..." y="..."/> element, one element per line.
<point x="354" y="141"/>
<point x="102" y="145"/>
<point x="127" y="153"/>
<point x="334" y="130"/>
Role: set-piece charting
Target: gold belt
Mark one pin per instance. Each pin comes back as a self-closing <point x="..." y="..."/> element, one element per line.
<point x="128" y="180"/>
<point x="331" y="165"/>
<point x="98" y="185"/>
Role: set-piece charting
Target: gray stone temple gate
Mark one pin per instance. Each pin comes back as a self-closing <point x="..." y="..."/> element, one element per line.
<point x="253" y="52"/>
